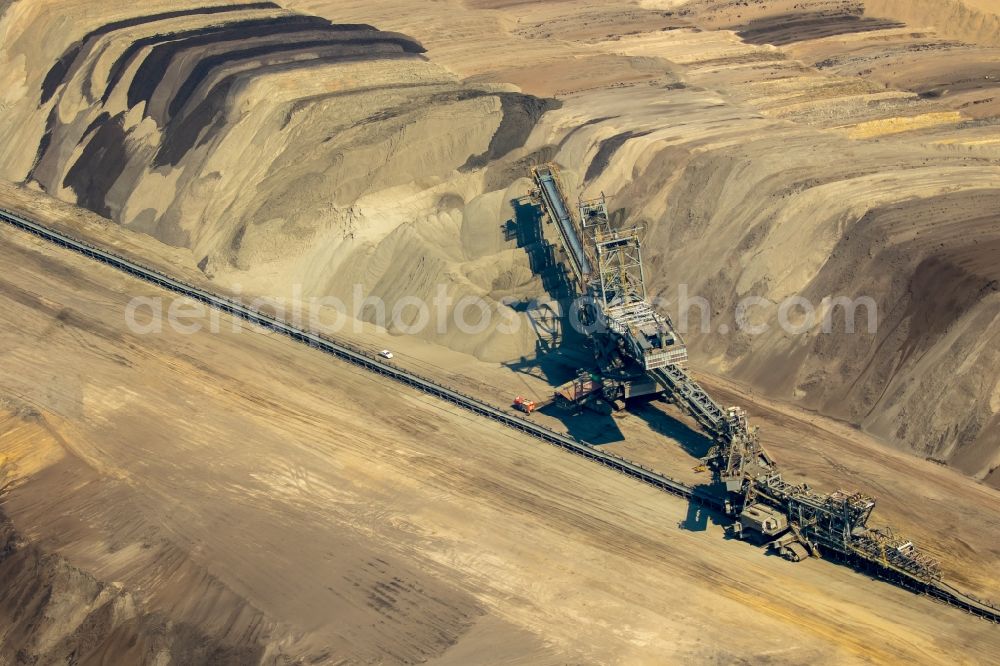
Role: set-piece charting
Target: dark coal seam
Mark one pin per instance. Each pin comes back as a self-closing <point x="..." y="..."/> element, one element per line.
<point x="183" y="134"/>
<point x="117" y="70"/>
<point x="43" y="145"/>
<point x="607" y="150"/>
<point x="205" y="67"/>
<point x="57" y="73"/>
<point x="519" y="117"/>
<point x="777" y="34"/>
<point x="166" y="47"/>
<point x="312" y="99"/>
<point x="101" y="164"/>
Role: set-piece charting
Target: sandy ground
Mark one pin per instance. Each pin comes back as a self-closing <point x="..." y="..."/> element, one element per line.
<point x="282" y="150"/>
<point x="164" y="493"/>
<point x="374" y="523"/>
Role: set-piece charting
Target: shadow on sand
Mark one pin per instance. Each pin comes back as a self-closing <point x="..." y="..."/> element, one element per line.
<point x="561" y="351"/>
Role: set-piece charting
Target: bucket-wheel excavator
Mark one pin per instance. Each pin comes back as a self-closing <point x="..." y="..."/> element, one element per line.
<point x="638" y="351"/>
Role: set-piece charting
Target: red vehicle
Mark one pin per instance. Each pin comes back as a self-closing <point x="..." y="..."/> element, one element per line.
<point x="527" y="406"/>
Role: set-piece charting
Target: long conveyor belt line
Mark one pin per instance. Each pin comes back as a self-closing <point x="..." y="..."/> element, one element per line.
<point x="374" y="364"/>
<point x="549" y="189"/>
<point x="698" y="495"/>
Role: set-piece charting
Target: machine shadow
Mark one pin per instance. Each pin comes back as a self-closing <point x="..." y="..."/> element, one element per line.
<point x="695" y="443"/>
<point x="698" y="517"/>
<point x="561" y="350"/>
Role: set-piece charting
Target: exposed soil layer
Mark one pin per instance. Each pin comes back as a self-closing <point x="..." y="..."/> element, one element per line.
<point x="304" y="528"/>
<point x="53" y="613"/>
<point x="837" y="149"/>
<point x="784" y="29"/>
<point x="286" y="32"/>
<point x="57" y="75"/>
<point x="606" y="151"/>
<point x="520" y="115"/>
<point x="289" y="149"/>
<point x="102" y="162"/>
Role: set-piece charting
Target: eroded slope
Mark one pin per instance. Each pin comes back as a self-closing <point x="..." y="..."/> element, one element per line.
<point x="771" y="149"/>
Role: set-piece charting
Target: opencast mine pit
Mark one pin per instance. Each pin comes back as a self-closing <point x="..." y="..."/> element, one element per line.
<point x="229" y="495"/>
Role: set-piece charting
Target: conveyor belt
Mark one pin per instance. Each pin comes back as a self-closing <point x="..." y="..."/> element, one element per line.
<point x="948" y="594"/>
<point x="696" y="400"/>
<point x="374" y="364"/>
<point x="556" y="206"/>
<point x="700" y="496"/>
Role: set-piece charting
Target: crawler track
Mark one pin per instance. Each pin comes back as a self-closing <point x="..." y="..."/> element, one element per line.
<point x="939" y="590"/>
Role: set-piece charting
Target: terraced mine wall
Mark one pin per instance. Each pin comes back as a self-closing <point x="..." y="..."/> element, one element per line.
<point x="840" y="150"/>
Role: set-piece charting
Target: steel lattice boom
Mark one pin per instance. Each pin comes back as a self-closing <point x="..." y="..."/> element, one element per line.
<point x="633" y="341"/>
